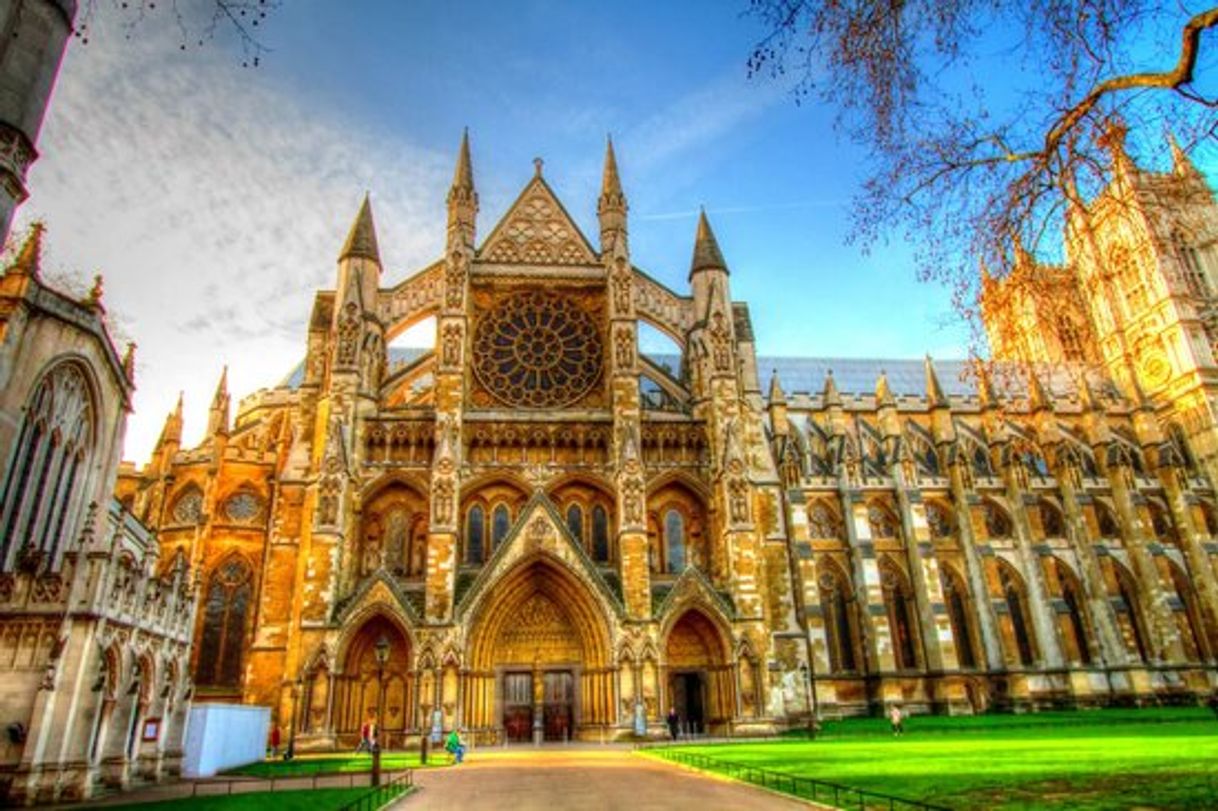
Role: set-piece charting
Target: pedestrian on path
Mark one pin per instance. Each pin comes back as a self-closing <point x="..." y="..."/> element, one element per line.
<point x="897" y="718"/>
<point x="364" y="744"/>
<point x="674" y="722"/>
<point x="274" y="741"/>
<point x="454" y="746"/>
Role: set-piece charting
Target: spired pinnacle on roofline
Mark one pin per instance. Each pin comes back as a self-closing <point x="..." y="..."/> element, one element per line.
<point x="361" y="240"/>
<point x="706" y="249"/>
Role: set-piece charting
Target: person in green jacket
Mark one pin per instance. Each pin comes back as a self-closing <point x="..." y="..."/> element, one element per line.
<point x="454" y="747"/>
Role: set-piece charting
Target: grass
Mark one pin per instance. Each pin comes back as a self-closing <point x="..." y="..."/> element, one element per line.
<point x="1095" y="760"/>
<point x="322" y="799"/>
<point x="307" y="765"/>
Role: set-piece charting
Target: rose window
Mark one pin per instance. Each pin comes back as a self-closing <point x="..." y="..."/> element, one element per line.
<point x="189" y="508"/>
<point x="537" y="350"/>
<point x="243" y="507"/>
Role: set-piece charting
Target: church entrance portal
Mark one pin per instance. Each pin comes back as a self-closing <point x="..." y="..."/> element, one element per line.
<point x="522" y="710"/>
<point x="539" y="659"/>
<point x="688" y="698"/>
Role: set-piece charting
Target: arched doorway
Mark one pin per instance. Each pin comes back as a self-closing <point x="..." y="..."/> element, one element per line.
<point x="699" y="674"/>
<point x="539" y="659"/>
<point x="357" y="692"/>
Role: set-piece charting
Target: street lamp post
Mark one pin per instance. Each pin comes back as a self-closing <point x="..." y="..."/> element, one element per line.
<point x="291" y="752"/>
<point x="382" y="656"/>
<point x="809" y="674"/>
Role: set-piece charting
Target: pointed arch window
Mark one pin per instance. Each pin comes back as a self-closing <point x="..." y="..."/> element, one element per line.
<point x="225" y="614"/>
<point x="1129" y="607"/>
<point x="898" y="600"/>
<point x="1190" y="261"/>
<point x="674" y="541"/>
<point x="1074" y="610"/>
<point x="835" y="602"/>
<point x="475" y="535"/>
<point x="575" y="522"/>
<point x="1012" y="591"/>
<point x="600" y="534"/>
<point x="54" y="448"/>
<point x="501" y="525"/>
<point x="958" y="614"/>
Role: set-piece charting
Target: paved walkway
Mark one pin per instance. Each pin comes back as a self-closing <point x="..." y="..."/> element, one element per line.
<point x="582" y="778"/>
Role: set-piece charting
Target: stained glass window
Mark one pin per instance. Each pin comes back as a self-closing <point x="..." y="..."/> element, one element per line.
<point x="222" y="642"/>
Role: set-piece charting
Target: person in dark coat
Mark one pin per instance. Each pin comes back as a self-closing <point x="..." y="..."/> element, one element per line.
<point x="674" y="723"/>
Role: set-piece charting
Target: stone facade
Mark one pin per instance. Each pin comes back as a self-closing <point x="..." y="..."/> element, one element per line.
<point x="95" y="627"/>
<point x="560" y="536"/>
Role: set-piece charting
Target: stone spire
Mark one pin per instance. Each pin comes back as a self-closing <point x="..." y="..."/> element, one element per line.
<point x="1038" y="398"/>
<point x="29" y="258"/>
<point x="985" y="389"/>
<point x="1182" y="165"/>
<point x="706" y="249"/>
<point x="462" y="199"/>
<point x="217" y="418"/>
<point x="934" y="391"/>
<point x="171" y="433"/>
<point x="1113" y="140"/>
<point x="830" y="396"/>
<point x="611" y="207"/>
<point x="361" y="241"/>
<point x="883" y="392"/>
<point x="777" y="407"/>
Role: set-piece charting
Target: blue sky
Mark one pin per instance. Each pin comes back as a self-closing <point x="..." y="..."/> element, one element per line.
<point x="215" y="198"/>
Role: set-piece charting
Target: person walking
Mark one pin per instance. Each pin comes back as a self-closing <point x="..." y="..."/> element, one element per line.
<point x="674" y="722"/>
<point x="897" y="719"/>
<point x="274" y="741"/>
<point x="363" y="745"/>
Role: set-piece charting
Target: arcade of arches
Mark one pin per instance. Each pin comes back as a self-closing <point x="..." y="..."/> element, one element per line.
<point x="562" y="536"/>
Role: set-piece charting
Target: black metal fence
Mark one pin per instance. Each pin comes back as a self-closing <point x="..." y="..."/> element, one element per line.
<point x="809" y="788"/>
<point x="379" y="795"/>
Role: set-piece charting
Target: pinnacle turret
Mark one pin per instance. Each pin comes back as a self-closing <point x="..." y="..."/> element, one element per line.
<point x="217" y="418"/>
<point x="1038" y="398"/>
<point x="29" y="258"/>
<point x="611" y="207"/>
<point x="462" y="199"/>
<point x="361" y="241"/>
<point x="706" y="249"/>
<point x="934" y="391"/>
<point x="883" y="392"/>
<point x="830" y="396"/>
<point x="776" y="392"/>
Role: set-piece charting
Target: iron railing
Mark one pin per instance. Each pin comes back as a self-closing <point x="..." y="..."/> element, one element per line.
<point x="808" y="788"/>
<point x="378" y="796"/>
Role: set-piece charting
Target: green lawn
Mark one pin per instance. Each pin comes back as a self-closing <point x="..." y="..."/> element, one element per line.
<point x="339" y="763"/>
<point x="1086" y="760"/>
<point x="322" y="799"/>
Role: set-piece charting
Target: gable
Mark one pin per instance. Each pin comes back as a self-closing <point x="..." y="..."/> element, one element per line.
<point x="537" y="230"/>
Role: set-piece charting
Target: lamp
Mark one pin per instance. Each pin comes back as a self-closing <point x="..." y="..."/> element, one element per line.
<point x="382" y="656"/>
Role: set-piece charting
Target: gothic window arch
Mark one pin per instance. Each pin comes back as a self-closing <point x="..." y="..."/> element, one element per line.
<point x="1075" y="616"/>
<point x="1105" y="521"/>
<point x="600" y="534"/>
<point x="1127" y="607"/>
<point x="997" y="522"/>
<point x="1161" y="524"/>
<point x="1016" y="603"/>
<point x="959" y="614"/>
<point x="674" y="541"/>
<point x="939" y="519"/>
<point x="50" y="466"/>
<point x="823" y="521"/>
<point x="882" y="522"/>
<point x="1188" y="619"/>
<point x="1051" y="520"/>
<point x="475" y="535"/>
<point x="1070" y="338"/>
<point x="1196" y="280"/>
<point x="841" y="625"/>
<point x="902" y="614"/>
<point x="501" y="525"/>
<point x="1131" y="280"/>
<point x="225" y="607"/>
<point x="575" y="522"/>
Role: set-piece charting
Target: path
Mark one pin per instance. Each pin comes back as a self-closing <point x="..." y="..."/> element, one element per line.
<point x="600" y="778"/>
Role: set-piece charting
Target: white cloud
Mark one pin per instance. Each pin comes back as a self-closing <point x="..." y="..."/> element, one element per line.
<point x="215" y="204"/>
